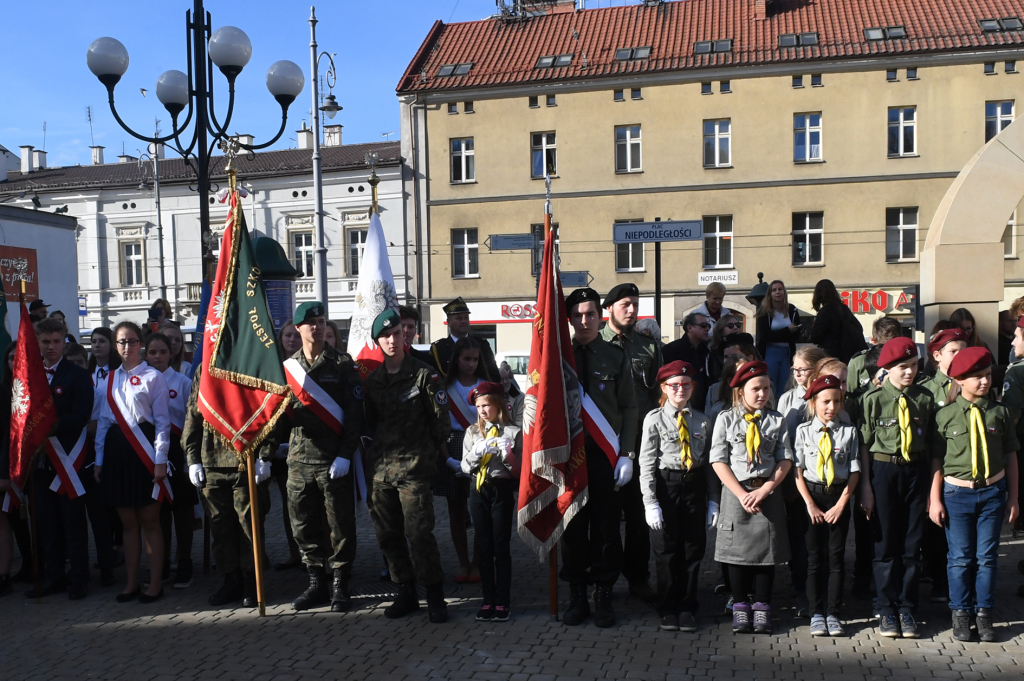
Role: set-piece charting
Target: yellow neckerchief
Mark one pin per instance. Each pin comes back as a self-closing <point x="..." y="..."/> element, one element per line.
<point x="753" y="438"/>
<point x="826" y="467"/>
<point x="906" y="433"/>
<point x="977" y="422"/>
<point x="685" y="453"/>
<point x="481" y="475"/>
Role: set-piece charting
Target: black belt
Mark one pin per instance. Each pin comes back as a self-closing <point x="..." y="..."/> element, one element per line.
<point x="754" y="483"/>
<point x="829" y="490"/>
<point x="678" y="474"/>
<point x="897" y="460"/>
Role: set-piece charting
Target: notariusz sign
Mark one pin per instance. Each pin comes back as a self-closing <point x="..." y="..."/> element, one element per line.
<point x="650" y="232"/>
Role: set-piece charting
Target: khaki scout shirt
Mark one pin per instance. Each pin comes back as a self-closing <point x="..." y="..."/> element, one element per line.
<point x="953" y="439"/>
<point x="202" y="444"/>
<point x="880" y="424"/>
<point x="660" y="447"/>
<point x="845" y="449"/>
<point x="407" y="413"/>
<point x="644" y="357"/>
<point x="609" y="384"/>
<point x="1013" y="394"/>
<point x="938" y="385"/>
<point x="856" y="372"/>
<point x="729" y="443"/>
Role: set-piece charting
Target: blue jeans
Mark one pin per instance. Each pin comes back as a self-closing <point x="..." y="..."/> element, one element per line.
<point x="777" y="358"/>
<point x="975" y="517"/>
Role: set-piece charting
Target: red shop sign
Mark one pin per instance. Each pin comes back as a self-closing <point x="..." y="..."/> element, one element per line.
<point x="875" y="301"/>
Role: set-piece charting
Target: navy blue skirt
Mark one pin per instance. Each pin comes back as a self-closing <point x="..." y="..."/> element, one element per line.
<point x="125" y="480"/>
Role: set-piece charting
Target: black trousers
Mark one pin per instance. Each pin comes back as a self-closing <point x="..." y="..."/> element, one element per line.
<point x="637" y="546"/>
<point x="901" y="491"/>
<point x="826" y="547"/>
<point x="63" y="532"/>
<point x="492" y="510"/>
<point x="591" y="543"/>
<point x="797" y="522"/>
<point x="679" y="547"/>
<point x="864" y="544"/>
<point x="756" y="580"/>
<point x="99" y="519"/>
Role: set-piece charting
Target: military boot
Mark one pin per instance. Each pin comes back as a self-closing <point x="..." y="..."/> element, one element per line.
<point x="340" y="597"/>
<point x="318" y="592"/>
<point x="579" y="606"/>
<point x="437" y="607"/>
<point x="230" y="591"/>
<point x="251" y="599"/>
<point x="604" y="615"/>
<point x="405" y="602"/>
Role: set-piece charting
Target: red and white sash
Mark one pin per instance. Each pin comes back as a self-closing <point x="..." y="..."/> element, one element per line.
<point x="599" y="429"/>
<point x="464" y="415"/>
<point x="12" y="499"/>
<point x="67" y="465"/>
<point x="141" y="445"/>
<point x="313" y="396"/>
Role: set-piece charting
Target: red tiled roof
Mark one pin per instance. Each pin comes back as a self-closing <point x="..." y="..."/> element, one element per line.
<point x="505" y="53"/>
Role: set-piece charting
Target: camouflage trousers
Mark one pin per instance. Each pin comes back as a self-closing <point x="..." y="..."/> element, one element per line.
<point x="313" y="497"/>
<point x="404" y="509"/>
<point x="226" y="499"/>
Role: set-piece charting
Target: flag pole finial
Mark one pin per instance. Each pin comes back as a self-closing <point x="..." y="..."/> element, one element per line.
<point x="21" y="267"/>
<point x="372" y="159"/>
<point x="231" y="146"/>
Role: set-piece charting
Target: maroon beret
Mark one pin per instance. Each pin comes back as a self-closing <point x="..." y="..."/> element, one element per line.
<point x="969" y="361"/>
<point x="676" y="368"/>
<point x="897" y="350"/>
<point x="485" y="388"/>
<point x="946" y="336"/>
<point x="747" y="371"/>
<point x="826" y="382"/>
<point x="1020" y="322"/>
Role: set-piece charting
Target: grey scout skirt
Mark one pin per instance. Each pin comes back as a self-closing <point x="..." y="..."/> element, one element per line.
<point x="745" y="539"/>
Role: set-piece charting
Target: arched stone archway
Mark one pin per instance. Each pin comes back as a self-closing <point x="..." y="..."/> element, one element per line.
<point x="962" y="263"/>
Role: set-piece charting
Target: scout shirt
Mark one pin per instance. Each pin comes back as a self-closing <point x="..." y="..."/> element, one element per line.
<point x="496" y="466"/>
<point x="660" y="447"/>
<point x="845" y="449"/>
<point x="644" y="356"/>
<point x="793" y="408"/>
<point x="953" y="441"/>
<point x="856" y="373"/>
<point x="407" y="414"/>
<point x="1013" y="394"/>
<point x="201" y="442"/>
<point x="938" y="385"/>
<point x="880" y="425"/>
<point x="729" y="443"/>
<point x="604" y="373"/>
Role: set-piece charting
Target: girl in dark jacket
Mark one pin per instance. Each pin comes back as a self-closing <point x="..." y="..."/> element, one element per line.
<point x="778" y="329"/>
<point x="832" y="318"/>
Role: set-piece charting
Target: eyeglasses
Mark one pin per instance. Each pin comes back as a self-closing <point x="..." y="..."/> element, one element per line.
<point x="679" y="386"/>
<point x="127" y="342"/>
<point x="705" y="325"/>
<point x="734" y="325"/>
<point x="800" y="372"/>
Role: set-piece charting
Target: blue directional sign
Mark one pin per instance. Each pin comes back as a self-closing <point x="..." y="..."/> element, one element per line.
<point x="511" y="242"/>
<point x="575" y="279"/>
<point x="649" y="232"/>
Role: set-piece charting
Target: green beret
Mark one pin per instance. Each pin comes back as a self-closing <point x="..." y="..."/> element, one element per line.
<point x="385" y="321"/>
<point x="307" y="311"/>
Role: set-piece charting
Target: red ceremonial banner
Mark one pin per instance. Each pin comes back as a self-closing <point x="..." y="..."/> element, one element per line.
<point x="33" y="413"/>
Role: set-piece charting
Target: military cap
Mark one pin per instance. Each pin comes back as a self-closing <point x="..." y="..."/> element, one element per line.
<point x="307" y="311"/>
<point x="733" y="339"/>
<point x="385" y="321"/>
<point x="747" y="371"/>
<point x="969" y="361"/>
<point x="485" y="388"/>
<point x="826" y="382"/>
<point x="946" y="336"/>
<point x="676" y="368"/>
<point x="897" y="350"/>
<point x="581" y="295"/>
<point x="36" y="304"/>
<point x="457" y="306"/>
<point x="619" y="292"/>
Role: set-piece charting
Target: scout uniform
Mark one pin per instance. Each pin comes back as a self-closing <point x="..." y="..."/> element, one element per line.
<point x="974" y="441"/>
<point x="407" y="413"/>
<point x="225" y="496"/>
<point x="674" y="478"/>
<point x="827" y="454"/>
<point x="895" y="429"/>
<point x="644" y="356"/>
<point x="939" y="385"/>
<point x="441" y="349"/>
<point x="180" y="512"/>
<point x="591" y="543"/>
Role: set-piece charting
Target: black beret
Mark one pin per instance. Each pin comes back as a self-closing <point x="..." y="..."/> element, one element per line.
<point x="619" y="292"/>
<point x="581" y="295"/>
<point x="741" y="338"/>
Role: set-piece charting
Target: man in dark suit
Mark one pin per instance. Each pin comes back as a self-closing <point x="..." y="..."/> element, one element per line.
<point x="458" y="327"/>
<point x="692" y="348"/>
<point x="63" y="533"/>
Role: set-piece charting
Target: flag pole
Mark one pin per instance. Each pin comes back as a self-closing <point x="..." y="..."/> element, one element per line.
<point x="553" y="554"/>
<point x="257" y="535"/>
<point x="30" y="480"/>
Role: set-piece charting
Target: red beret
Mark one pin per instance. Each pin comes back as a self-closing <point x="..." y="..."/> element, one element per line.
<point x="1020" y="322"/>
<point x="969" y="361"/>
<point x="897" y="350"/>
<point x="485" y="388"/>
<point x="946" y="336"/>
<point x="676" y="368"/>
<point x="826" y="382"/>
<point x="747" y="371"/>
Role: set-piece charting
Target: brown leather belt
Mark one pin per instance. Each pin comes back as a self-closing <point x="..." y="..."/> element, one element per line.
<point x="754" y="483"/>
<point x="976" y="484"/>
<point x="897" y="460"/>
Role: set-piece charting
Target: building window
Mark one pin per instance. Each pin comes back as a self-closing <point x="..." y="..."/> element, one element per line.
<point x="302" y="252"/>
<point x="544" y="156"/>
<point x="900" y="234"/>
<point x="717" y="136"/>
<point x="619" y="96"/>
<point x="453" y="107"/>
<point x="454" y="70"/>
<point x="634" y="93"/>
<point x="998" y="115"/>
<point x="551" y="100"/>
<point x="356" y="244"/>
<point x="911" y="74"/>
<point x="902" y="131"/>
<point x="463" y="161"/>
<point x="628" y="153"/>
<point x="709" y="46"/>
<point x="1004" y="24"/>
<point x="133" y="263"/>
<point x="807" y="137"/>
<point x="628" y="53"/>
<point x="629" y="257"/>
<point x="1010" y="67"/>
<point x="724" y="86"/>
<point x="705" y="88"/>
<point x="890" y="75"/>
<point x="538" y="247"/>
<point x="465" y="254"/>
<point x="887" y="33"/>
<point x="798" y="81"/>
<point x="795" y="39"/>
<point x="815" y="80"/>
<point x="1009" y="245"/>
<point x="467" y="107"/>
<point x="553" y="61"/>
<point x="534" y="103"/>
<point x="990" y="68"/>
<point x="808" y="233"/>
<point x="717" y="241"/>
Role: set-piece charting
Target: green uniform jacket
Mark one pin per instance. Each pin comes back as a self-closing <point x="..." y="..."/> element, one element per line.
<point x="1013" y="394"/>
<point x="200" y="441"/>
<point x="610" y="384"/>
<point x="407" y="413"/>
<point x="311" y="440"/>
<point x="938" y="385"/>
<point x="953" y="438"/>
<point x="644" y="357"/>
<point x="880" y="425"/>
<point x="856" y="374"/>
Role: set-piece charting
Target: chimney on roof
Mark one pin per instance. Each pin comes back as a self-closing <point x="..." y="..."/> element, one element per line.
<point x="332" y="135"/>
<point x="125" y="158"/>
<point x="156" y="151"/>
<point x="244" y="138"/>
<point x="26" y="158"/>
<point x="305" y="137"/>
<point x="39" y="159"/>
<point x="547" y="6"/>
<point x="97" y="156"/>
<point x="4" y="159"/>
<point x="760" y="10"/>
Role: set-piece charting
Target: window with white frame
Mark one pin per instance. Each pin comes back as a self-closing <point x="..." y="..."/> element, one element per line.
<point x="538" y="247"/>
<point x="628" y="152"/>
<point x="718" y="143"/>
<point x="463" y="161"/>
<point x="1009" y="237"/>
<point x="302" y="252"/>
<point x="807" y="137"/>
<point x="133" y="264"/>
<point x="998" y="115"/>
<point x="465" y="253"/>
<point x="543" y="155"/>
<point x="808" y="234"/>
<point x="629" y="257"/>
<point x="356" y="242"/>
<point x="717" y="241"/>
<point x="902" y="131"/>
<point x="900" y="234"/>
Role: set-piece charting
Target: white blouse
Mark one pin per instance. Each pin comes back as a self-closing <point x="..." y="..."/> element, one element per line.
<point x="99" y="386"/>
<point x="179" y="387"/>
<point x="147" y="402"/>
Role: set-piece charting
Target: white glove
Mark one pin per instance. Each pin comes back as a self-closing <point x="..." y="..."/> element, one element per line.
<point x="504" y="447"/>
<point x="339" y="468"/>
<point x="623" y="471"/>
<point x="454" y="464"/>
<point x="712" y="514"/>
<point x="196" y="474"/>
<point x="655" y="521"/>
<point x="262" y="471"/>
<point x="480" y="447"/>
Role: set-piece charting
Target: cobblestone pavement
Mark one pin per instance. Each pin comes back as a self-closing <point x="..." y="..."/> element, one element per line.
<point x="181" y="637"/>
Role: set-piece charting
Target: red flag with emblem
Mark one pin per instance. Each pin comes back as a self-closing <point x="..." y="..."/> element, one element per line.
<point x="33" y="413"/>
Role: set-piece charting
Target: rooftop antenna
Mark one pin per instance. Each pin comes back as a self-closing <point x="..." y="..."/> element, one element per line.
<point x="387" y="135"/>
<point x="88" y="117"/>
<point x="44" y="135"/>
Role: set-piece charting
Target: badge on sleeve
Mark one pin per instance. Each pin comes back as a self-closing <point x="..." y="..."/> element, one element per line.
<point x="1006" y="386"/>
<point x="357" y="392"/>
<point x="441" y="397"/>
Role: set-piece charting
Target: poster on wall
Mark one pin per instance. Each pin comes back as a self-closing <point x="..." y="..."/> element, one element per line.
<point x="9" y="258"/>
<point x="280" y="301"/>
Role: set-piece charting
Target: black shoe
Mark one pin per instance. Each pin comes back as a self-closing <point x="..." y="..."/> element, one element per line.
<point x="485" y="613"/>
<point x="861" y="589"/>
<point x="888" y="627"/>
<point x="579" y="606"/>
<point x="640" y="588"/>
<point x="318" y="593"/>
<point x="77" y="592"/>
<point x="405" y="602"/>
<point x="669" y="622"/>
<point x="251" y="599"/>
<point x="47" y="588"/>
<point x="687" y="622"/>
<point x="106" y="578"/>
<point x="961" y="625"/>
<point x="341" y="599"/>
<point x="128" y="597"/>
<point x="604" y="615"/>
<point x="146" y="598"/>
<point x="437" y="607"/>
<point x="983" y="619"/>
<point x="230" y="591"/>
<point x="183" y="575"/>
<point x="908" y="626"/>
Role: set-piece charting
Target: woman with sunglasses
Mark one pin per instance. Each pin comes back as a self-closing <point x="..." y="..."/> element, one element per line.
<point x="727" y="325"/>
<point x="777" y="331"/>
